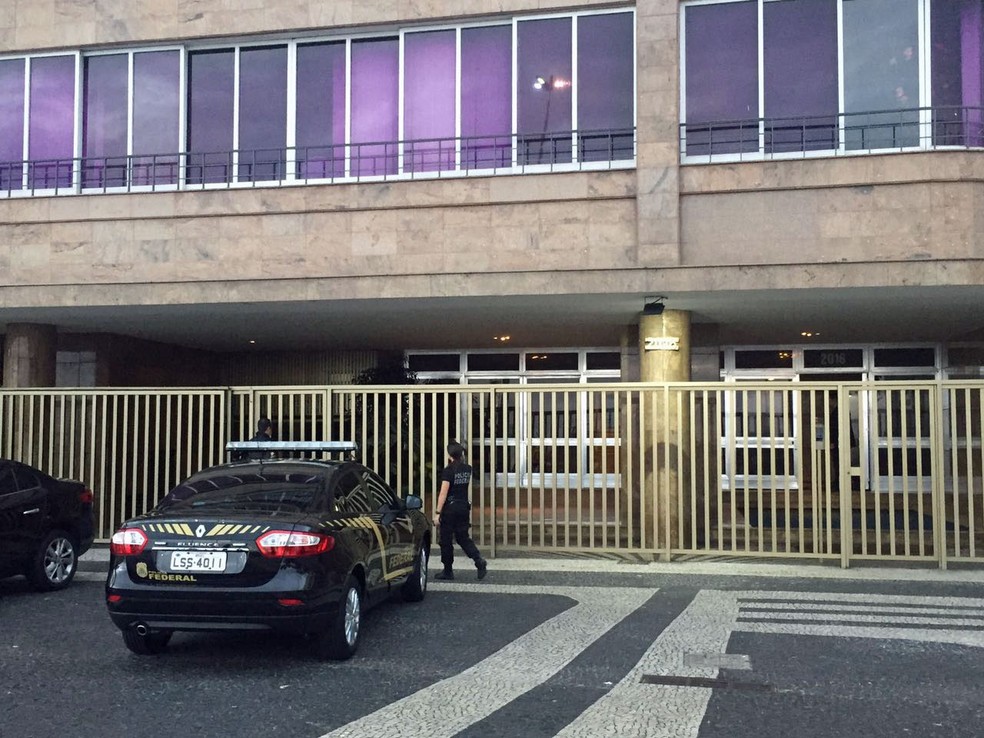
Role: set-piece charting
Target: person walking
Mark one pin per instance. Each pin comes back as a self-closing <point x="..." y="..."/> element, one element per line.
<point x="452" y="515"/>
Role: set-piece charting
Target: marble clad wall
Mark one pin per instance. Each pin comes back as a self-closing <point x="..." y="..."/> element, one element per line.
<point x="27" y="25"/>
<point x="552" y="223"/>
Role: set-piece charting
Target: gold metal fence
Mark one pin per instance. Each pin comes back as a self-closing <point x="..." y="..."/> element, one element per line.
<point x="842" y="471"/>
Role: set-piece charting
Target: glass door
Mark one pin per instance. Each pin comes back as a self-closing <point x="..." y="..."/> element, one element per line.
<point x="759" y="443"/>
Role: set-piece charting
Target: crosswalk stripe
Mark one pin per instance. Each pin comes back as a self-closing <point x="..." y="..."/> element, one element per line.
<point x="896" y="617"/>
<point x="510" y="672"/>
<point x="633" y="708"/>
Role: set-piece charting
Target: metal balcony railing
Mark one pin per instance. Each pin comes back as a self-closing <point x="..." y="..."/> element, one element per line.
<point x="352" y="162"/>
<point x="938" y="127"/>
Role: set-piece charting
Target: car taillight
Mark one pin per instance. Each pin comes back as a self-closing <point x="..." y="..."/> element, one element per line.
<point x="276" y="544"/>
<point x="128" y="542"/>
<point x="85" y="496"/>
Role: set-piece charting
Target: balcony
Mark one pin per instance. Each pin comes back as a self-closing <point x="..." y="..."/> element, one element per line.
<point x="845" y="134"/>
<point x="508" y="154"/>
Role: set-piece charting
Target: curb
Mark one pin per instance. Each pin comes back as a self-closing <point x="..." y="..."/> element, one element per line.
<point x="96" y="560"/>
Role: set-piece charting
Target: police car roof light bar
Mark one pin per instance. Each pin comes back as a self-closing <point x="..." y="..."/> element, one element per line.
<point x="325" y="446"/>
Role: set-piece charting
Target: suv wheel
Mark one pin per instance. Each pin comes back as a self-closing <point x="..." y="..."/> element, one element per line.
<point x="54" y="562"/>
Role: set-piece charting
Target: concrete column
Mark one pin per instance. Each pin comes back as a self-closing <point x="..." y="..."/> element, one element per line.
<point x="29" y="351"/>
<point x="664" y="356"/>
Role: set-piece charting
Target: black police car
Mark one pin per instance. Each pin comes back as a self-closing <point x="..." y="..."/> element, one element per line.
<point x="298" y="546"/>
<point x="45" y="525"/>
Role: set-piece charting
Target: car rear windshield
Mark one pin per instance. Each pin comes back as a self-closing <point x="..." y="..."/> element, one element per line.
<point x="247" y="492"/>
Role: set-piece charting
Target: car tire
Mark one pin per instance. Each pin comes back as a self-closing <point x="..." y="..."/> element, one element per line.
<point x="340" y="640"/>
<point x="415" y="587"/>
<point x="147" y="645"/>
<point x="54" y="563"/>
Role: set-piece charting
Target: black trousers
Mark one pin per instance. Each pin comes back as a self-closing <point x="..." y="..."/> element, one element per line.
<point x="454" y="527"/>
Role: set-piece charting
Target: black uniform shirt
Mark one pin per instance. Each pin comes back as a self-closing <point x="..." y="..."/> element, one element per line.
<point x="458" y="475"/>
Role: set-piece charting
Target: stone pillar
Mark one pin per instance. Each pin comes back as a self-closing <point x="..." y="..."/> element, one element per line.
<point x="29" y="352"/>
<point x="664" y="356"/>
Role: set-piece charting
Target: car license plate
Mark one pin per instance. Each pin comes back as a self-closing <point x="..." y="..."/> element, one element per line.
<point x="198" y="561"/>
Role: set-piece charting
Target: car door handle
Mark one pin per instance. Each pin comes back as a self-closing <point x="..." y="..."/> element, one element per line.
<point x="31" y="512"/>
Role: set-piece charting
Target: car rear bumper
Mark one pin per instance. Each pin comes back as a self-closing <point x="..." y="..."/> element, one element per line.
<point x="221" y="612"/>
<point x="290" y="602"/>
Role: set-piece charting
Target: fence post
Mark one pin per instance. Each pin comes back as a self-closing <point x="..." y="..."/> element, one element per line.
<point x="844" y="475"/>
<point x="937" y="481"/>
<point x="493" y="446"/>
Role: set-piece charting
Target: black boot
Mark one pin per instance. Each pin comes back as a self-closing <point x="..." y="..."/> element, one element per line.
<point x="482" y="565"/>
<point x="446" y="575"/>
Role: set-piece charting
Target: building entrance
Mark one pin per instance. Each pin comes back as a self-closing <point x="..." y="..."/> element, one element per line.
<point x="886" y="430"/>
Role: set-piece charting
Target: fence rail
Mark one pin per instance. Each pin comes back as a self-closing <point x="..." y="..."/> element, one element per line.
<point x="329" y="163"/>
<point x="848" y="472"/>
<point x="900" y="129"/>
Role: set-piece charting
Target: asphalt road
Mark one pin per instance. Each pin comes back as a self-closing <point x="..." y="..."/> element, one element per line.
<point x="542" y="653"/>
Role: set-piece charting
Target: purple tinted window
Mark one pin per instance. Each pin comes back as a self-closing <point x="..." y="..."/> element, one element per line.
<point x="320" y="135"/>
<point x="11" y="123"/>
<point x="605" y="87"/>
<point x="543" y="94"/>
<point x="262" y="113"/>
<point x="375" y="106"/>
<point x="210" y="116"/>
<point x="722" y="78"/>
<point x="51" y="135"/>
<point x="104" y="120"/>
<point x="156" y="121"/>
<point x="486" y="97"/>
<point x="800" y="46"/>
<point x="881" y="73"/>
<point x="958" y="90"/>
<point x="428" y="100"/>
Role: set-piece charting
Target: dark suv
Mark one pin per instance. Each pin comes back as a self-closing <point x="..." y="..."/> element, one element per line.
<point x="45" y="525"/>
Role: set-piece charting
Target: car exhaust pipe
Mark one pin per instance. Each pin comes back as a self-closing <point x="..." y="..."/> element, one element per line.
<point x="141" y="629"/>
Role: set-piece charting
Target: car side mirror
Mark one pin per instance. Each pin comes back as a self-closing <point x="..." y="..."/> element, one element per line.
<point x="414" y="502"/>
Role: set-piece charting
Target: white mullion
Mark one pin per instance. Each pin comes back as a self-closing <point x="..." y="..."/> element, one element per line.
<point x="926" y="76"/>
<point x="574" y="127"/>
<point x="841" y="114"/>
<point x="290" y="159"/>
<point x="400" y="100"/>
<point x="26" y="151"/>
<point x="515" y="92"/>
<point x="348" y="107"/>
<point x="183" y="92"/>
<point x="682" y="35"/>
<point x="635" y="81"/>
<point x="130" y="82"/>
<point x="235" y="117"/>
<point x="761" y="77"/>
<point x="457" y="99"/>
<point x="76" y="129"/>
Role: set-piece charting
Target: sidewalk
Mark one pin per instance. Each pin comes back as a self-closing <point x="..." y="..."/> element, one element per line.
<point x="97" y="560"/>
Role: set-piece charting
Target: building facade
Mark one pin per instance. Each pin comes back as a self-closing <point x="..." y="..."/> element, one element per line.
<point x="198" y="193"/>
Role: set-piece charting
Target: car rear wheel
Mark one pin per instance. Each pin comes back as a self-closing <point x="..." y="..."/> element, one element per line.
<point x="341" y="639"/>
<point x="415" y="587"/>
<point x="54" y="563"/>
<point x="148" y="644"/>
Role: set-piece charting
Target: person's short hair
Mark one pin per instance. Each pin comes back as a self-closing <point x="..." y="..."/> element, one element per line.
<point x="263" y="424"/>
<point x="455" y="450"/>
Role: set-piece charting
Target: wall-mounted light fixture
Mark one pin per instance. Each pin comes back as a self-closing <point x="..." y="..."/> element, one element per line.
<point x="654" y="305"/>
